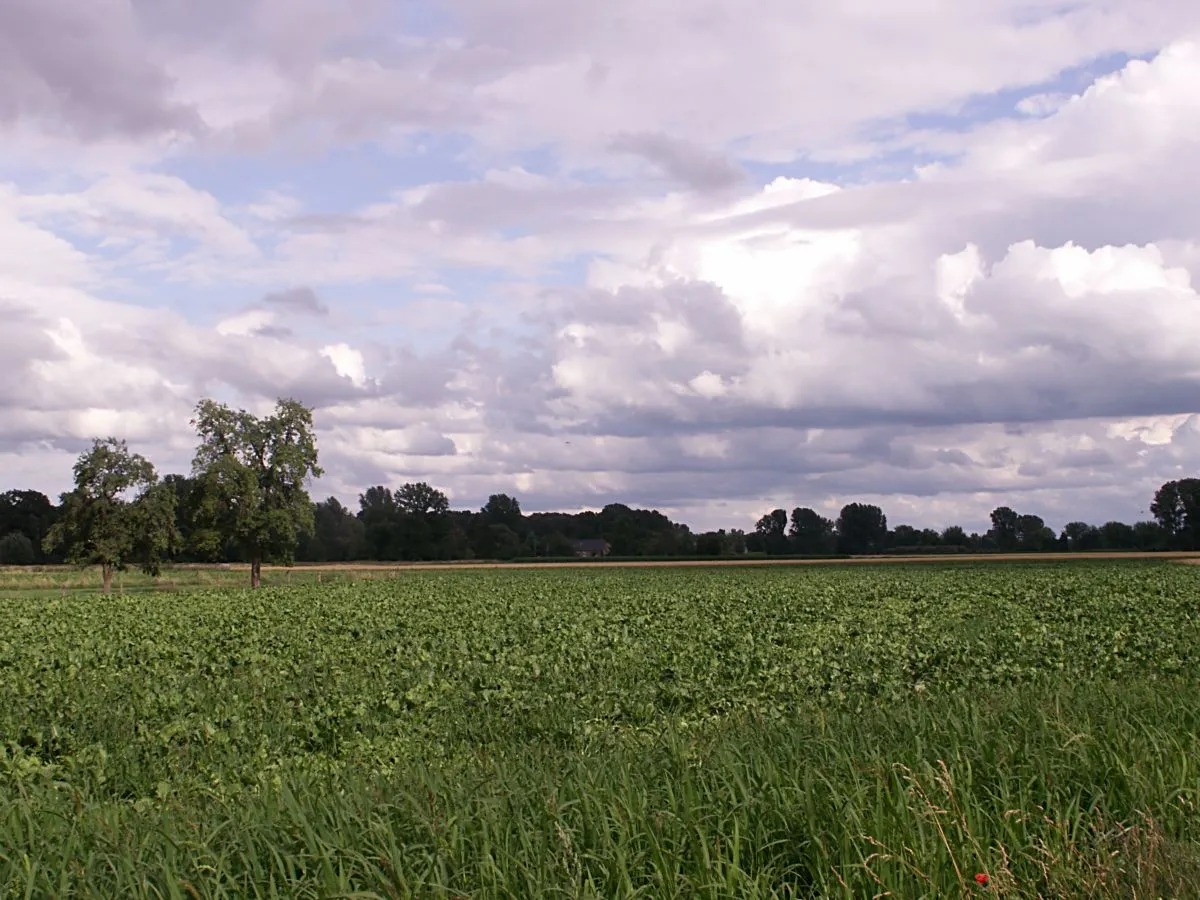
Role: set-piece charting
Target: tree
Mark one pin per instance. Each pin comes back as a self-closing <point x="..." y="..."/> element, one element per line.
<point x="1176" y="507"/>
<point x="156" y="535"/>
<point x="252" y="474"/>
<point x="1004" y="530"/>
<point x="502" y="509"/>
<point x="861" y="528"/>
<point x="503" y="541"/>
<point x="772" y="529"/>
<point x="810" y="532"/>
<point x="378" y="512"/>
<point x="641" y="532"/>
<point x="1118" y="536"/>
<point x="187" y="499"/>
<point x="16" y="550"/>
<point x="905" y="536"/>
<point x="30" y="513"/>
<point x="456" y="543"/>
<point x="1149" y="536"/>
<point x="709" y="543"/>
<point x="556" y="544"/>
<point x="101" y="525"/>
<point x="954" y="536"/>
<point x="1081" y="537"/>
<point x="420" y="499"/>
<point x="422" y="521"/>
<point x="1032" y="534"/>
<point x="337" y="535"/>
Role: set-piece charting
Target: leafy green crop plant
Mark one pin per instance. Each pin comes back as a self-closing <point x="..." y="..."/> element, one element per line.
<point x="688" y="733"/>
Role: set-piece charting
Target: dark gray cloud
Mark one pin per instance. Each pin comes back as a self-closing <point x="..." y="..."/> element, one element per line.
<point x="427" y="442"/>
<point x="85" y="68"/>
<point x="279" y="332"/>
<point x="295" y="35"/>
<point x="298" y="300"/>
<point x="537" y="205"/>
<point x="682" y="161"/>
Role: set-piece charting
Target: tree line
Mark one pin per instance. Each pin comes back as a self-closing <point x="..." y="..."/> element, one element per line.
<point x="246" y="500"/>
<point x="862" y="529"/>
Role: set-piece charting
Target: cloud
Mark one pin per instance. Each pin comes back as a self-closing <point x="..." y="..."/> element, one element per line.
<point x="141" y="213"/>
<point x="682" y="161"/>
<point x="251" y="323"/>
<point x="86" y="69"/>
<point x="347" y="362"/>
<point x="299" y="300"/>
<point x="665" y="255"/>
<point x="790" y="76"/>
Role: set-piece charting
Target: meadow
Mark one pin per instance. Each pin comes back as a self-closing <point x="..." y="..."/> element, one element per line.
<point x="834" y="731"/>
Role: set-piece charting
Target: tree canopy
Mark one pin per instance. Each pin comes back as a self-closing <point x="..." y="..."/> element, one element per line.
<point x="1176" y="507"/>
<point x="252" y="475"/>
<point x="862" y="528"/>
<point x="101" y="524"/>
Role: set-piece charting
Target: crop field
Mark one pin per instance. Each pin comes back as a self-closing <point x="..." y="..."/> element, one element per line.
<point x="31" y="581"/>
<point x="770" y="731"/>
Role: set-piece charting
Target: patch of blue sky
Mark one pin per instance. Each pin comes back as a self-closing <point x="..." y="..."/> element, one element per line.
<point x="341" y="180"/>
<point x="570" y="271"/>
<point x="198" y="304"/>
<point x="141" y="281"/>
<point x="420" y="18"/>
<point x="894" y="161"/>
<point x="543" y="159"/>
<point x="96" y="246"/>
<point x="33" y="178"/>
<point x="980" y="109"/>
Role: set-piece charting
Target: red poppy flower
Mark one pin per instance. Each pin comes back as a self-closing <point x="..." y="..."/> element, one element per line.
<point x="981" y="879"/>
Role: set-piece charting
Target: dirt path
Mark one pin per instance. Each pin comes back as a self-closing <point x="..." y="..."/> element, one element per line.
<point x="1191" y="558"/>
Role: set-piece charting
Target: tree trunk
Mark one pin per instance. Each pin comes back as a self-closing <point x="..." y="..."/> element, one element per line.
<point x="255" y="571"/>
<point x="106" y="575"/>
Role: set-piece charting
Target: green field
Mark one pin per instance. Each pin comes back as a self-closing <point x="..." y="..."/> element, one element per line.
<point x="725" y="732"/>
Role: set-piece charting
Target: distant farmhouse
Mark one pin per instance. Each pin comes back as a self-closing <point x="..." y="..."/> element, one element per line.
<point x="591" y="548"/>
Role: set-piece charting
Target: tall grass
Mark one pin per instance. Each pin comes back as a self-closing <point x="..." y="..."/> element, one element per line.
<point x="1053" y="790"/>
<point x="29" y="582"/>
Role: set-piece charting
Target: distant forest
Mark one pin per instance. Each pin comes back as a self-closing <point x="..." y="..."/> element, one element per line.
<point x="415" y="523"/>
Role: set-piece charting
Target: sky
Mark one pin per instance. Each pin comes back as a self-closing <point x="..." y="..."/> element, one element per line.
<point x="706" y="256"/>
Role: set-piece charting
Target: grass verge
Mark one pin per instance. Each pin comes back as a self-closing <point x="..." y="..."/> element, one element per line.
<point x="1051" y="790"/>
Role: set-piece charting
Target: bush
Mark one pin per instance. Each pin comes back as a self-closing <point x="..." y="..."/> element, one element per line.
<point x="16" y="550"/>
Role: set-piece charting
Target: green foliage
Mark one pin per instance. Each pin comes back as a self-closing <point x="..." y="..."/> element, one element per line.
<point x="337" y="534"/>
<point x="251" y="473"/>
<point x="420" y="499"/>
<point x="501" y="509"/>
<point x="101" y="525"/>
<point x="811" y="533"/>
<point x="761" y="732"/>
<point x="153" y="523"/>
<point x="861" y="528"/>
<point x="16" y="550"/>
<point x="770" y="532"/>
<point x="29" y="512"/>
<point x="1176" y="508"/>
